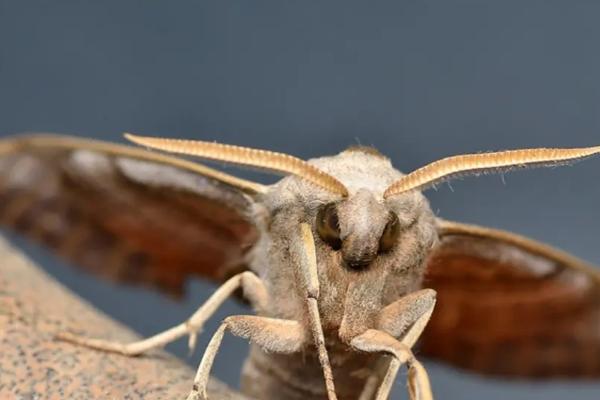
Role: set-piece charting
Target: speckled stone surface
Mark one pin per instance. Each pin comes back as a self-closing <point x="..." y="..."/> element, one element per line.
<point x="33" y="306"/>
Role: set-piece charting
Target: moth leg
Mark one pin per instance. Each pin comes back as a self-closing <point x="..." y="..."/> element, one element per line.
<point x="374" y="341"/>
<point x="407" y="317"/>
<point x="307" y="258"/>
<point x="272" y="335"/>
<point x="373" y="382"/>
<point x="254" y="291"/>
<point x="401" y="322"/>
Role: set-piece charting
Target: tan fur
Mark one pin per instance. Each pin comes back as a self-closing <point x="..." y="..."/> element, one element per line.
<point x="349" y="301"/>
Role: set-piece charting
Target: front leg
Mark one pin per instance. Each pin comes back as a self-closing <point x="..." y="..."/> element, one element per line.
<point x="253" y="288"/>
<point x="399" y="326"/>
<point x="407" y="317"/>
<point x="306" y="259"/>
<point x="272" y="335"/>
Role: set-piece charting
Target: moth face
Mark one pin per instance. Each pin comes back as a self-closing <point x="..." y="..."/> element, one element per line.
<point x="369" y="233"/>
<point x="360" y="228"/>
<point x="362" y="231"/>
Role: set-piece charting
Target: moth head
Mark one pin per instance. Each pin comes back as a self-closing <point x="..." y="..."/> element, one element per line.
<point x="361" y="231"/>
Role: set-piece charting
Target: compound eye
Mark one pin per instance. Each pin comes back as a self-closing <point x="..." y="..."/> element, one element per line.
<point x="390" y="233"/>
<point x="328" y="226"/>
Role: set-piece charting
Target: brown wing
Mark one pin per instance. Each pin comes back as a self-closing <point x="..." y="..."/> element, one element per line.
<point x="513" y="307"/>
<point x="126" y="213"/>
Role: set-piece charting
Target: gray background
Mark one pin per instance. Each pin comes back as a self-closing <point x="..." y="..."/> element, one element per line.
<point x="417" y="79"/>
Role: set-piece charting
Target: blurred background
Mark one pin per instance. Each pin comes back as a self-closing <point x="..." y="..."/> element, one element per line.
<point x="419" y="80"/>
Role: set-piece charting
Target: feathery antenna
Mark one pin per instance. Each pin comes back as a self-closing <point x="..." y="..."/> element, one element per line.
<point x="245" y="156"/>
<point x="486" y="163"/>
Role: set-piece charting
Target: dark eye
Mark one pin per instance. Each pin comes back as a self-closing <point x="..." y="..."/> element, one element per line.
<point x="390" y="234"/>
<point x="328" y="226"/>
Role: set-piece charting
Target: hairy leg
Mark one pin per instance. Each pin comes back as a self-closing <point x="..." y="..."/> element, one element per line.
<point x="307" y="264"/>
<point x="374" y="381"/>
<point x="272" y="335"/>
<point x="399" y="318"/>
<point x="399" y="326"/>
<point x="254" y="291"/>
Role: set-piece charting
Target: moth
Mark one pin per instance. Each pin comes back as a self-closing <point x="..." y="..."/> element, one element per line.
<point x="343" y="261"/>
